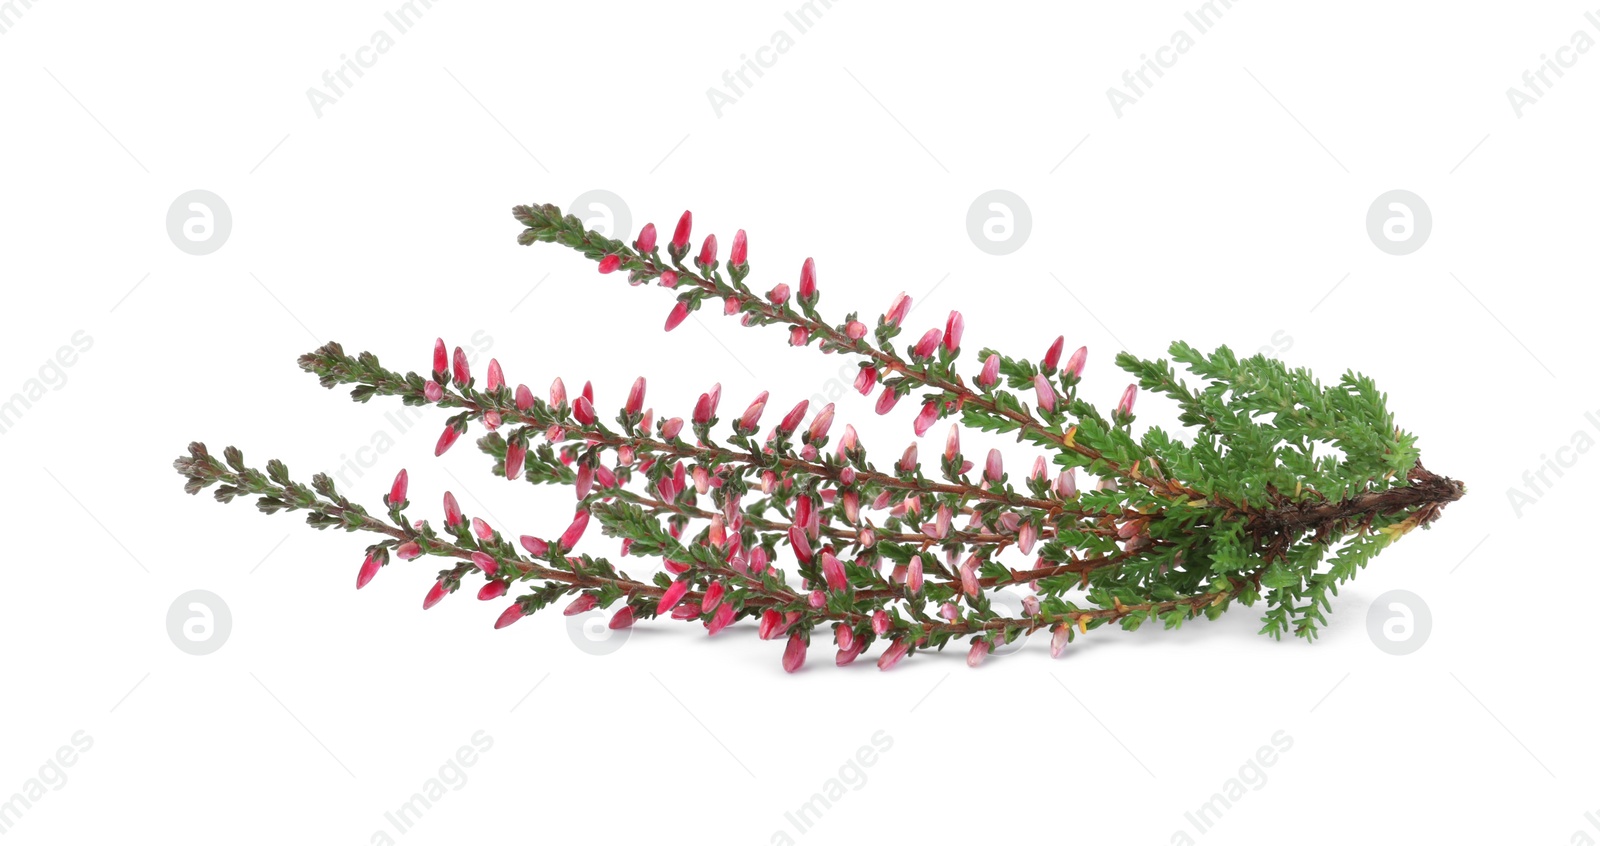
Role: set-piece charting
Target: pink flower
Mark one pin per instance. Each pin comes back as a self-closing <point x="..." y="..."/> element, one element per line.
<point x="1052" y="356"/>
<point x="672" y="596"/>
<point x="949" y="611"/>
<point x="800" y="543"/>
<point x="992" y="470"/>
<point x="770" y="620"/>
<point x="738" y="255"/>
<point x="1027" y="535"/>
<point x="855" y="330"/>
<point x="558" y="393"/>
<point x="570" y="537"/>
<point x="914" y="575"/>
<point x="447" y="439"/>
<point x="893" y="655"/>
<point x="408" y="551"/>
<point x="647" y="239"/>
<point x="978" y="652"/>
<point x="485" y="562"/>
<point x="820" y="424"/>
<point x="1125" y="405"/>
<point x="492" y="590"/>
<point x="794" y="655"/>
<point x="817" y="599"/>
<point x="798" y="335"/>
<point x="927" y="344"/>
<point x="849" y="441"/>
<point x="671" y="427"/>
<point x="844" y="636"/>
<point x="680" y="236"/>
<point x="635" y="397"/>
<point x="713" y="597"/>
<point x="791" y="421"/>
<point x="845" y="657"/>
<point x="866" y="380"/>
<point x="509" y="616"/>
<point x="779" y="294"/>
<point x="583" y="411"/>
<point x="1074" y="368"/>
<point x="1058" y="639"/>
<point x="516" y="454"/>
<point x="435" y="593"/>
<point x="669" y="278"/>
<point x="898" y="307"/>
<point x="369" y="568"/>
<point x="524" y="398"/>
<point x="535" y="547"/>
<point x="808" y="279"/>
<point x="462" y="374"/>
<point x="1043" y="394"/>
<point x="609" y="264"/>
<point x="622" y="619"/>
<point x="433" y="390"/>
<point x="680" y="310"/>
<point x="908" y="459"/>
<point x="584" y="602"/>
<point x="452" y="510"/>
<point x="441" y="359"/>
<point x="686" y="611"/>
<point x="887" y="399"/>
<point x="952" y="442"/>
<point x="880" y="622"/>
<point x="969" y="576"/>
<point x="708" y="250"/>
<point x="833" y="572"/>
<point x="1067" y="483"/>
<point x="752" y="413"/>
<point x="991" y="371"/>
<point x="397" y="491"/>
<point x="1030" y="606"/>
<point x="941" y="522"/>
<point x="954" y="326"/>
<point x="482" y="529"/>
<point x="720" y="620"/>
<point x="925" y="419"/>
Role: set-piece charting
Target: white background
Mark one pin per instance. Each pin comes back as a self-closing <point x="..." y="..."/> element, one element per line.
<point x="1227" y="205"/>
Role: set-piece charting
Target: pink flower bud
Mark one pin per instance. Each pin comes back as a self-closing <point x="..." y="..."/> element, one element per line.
<point x="524" y="398"/>
<point x="492" y="590"/>
<point x="686" y="611"/>
<point x="570" y="537"/>
<point x="978" y="652"/>
<point x="893" y="655"/>
<point x="752" y="413"/>
<point x="792" y="420"/>
<point x="485" y="562"/>
<point x="908" y="459"/>
<point x="794" y="655"/>
<point x="408" y="551"/>
<point x="770" y="620"/>
<point x="1058" y="639"/>
<point x="816" y="599"/>
<point x="482" y="529"/>
<point x="584" y="602"/>
<point x="740" y="252"/>
<point x="369" y="568"/>
<point x="720" y="620"/>
<point x="509" y="616"/>
<point x="808" y="279"/>
<point x="635" y="397"/>
<point x="779" y="294"/>
<point x="680" y="235"/>
<point x="949" y="611"/>
<point x="516" y="454"/>
<point x="491" y="420"/>
<point x="844" y="636"/>
<point x="647" y="239"/>
<point x="441" y="359"/>
<point x="1052" y="356"/>
<point x="583" y="411"/>
<point x="969" y="576"/>
<point x="941" y="522"/>
<point x="954" y="326"/>
<point x="833" y="572"/>
<point x="880" y="622"/>
<point x="866" y="380"/>
<point x="1030" y="606"/>
<point x="800" y="543"/>
<point x="609" y="264"/>
<point x="798" y="335"/>
<point x="887" y="400"/>
<point x="496" y="378"/>
<point x="435" y="593"/>
<point x="898" y="307"/>
<point x="680" y="310"/>
<point x="1125" y="405"/>
<point x="432" y="390"/>
<point x="849" y="441"/>
<point x="708" y="250"/>
<point x="914" y="575"/>
<point x="622" y="619"/>
<point x="991" y="371"/>
<point x="461" y="372"/>
<point x="1067" y="483"/>
<point x="992" y="470"/>
<point x="820" y="424"/>
<point x="926" y="418"/>
<point x="1043" y="394"/>
<point x="713" y="597"/>
<point x="447" y="439"/>
<point x="1027" y="535"/>
<point x="855" y="330"/>
<point x="1039" y="468"/>
<point x="558" y="393"/>
<point x="672" y="597"/>
<point x="452" y="510"/>
<point x="535" y="547"/>
<point x="669" y="278"/>
<point x="397" y="491"/>
<point x="1074" y="369"/>
<point x="927" y="344"/>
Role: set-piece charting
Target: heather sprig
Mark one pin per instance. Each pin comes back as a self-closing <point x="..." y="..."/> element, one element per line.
<point x="1287" y="488"/>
